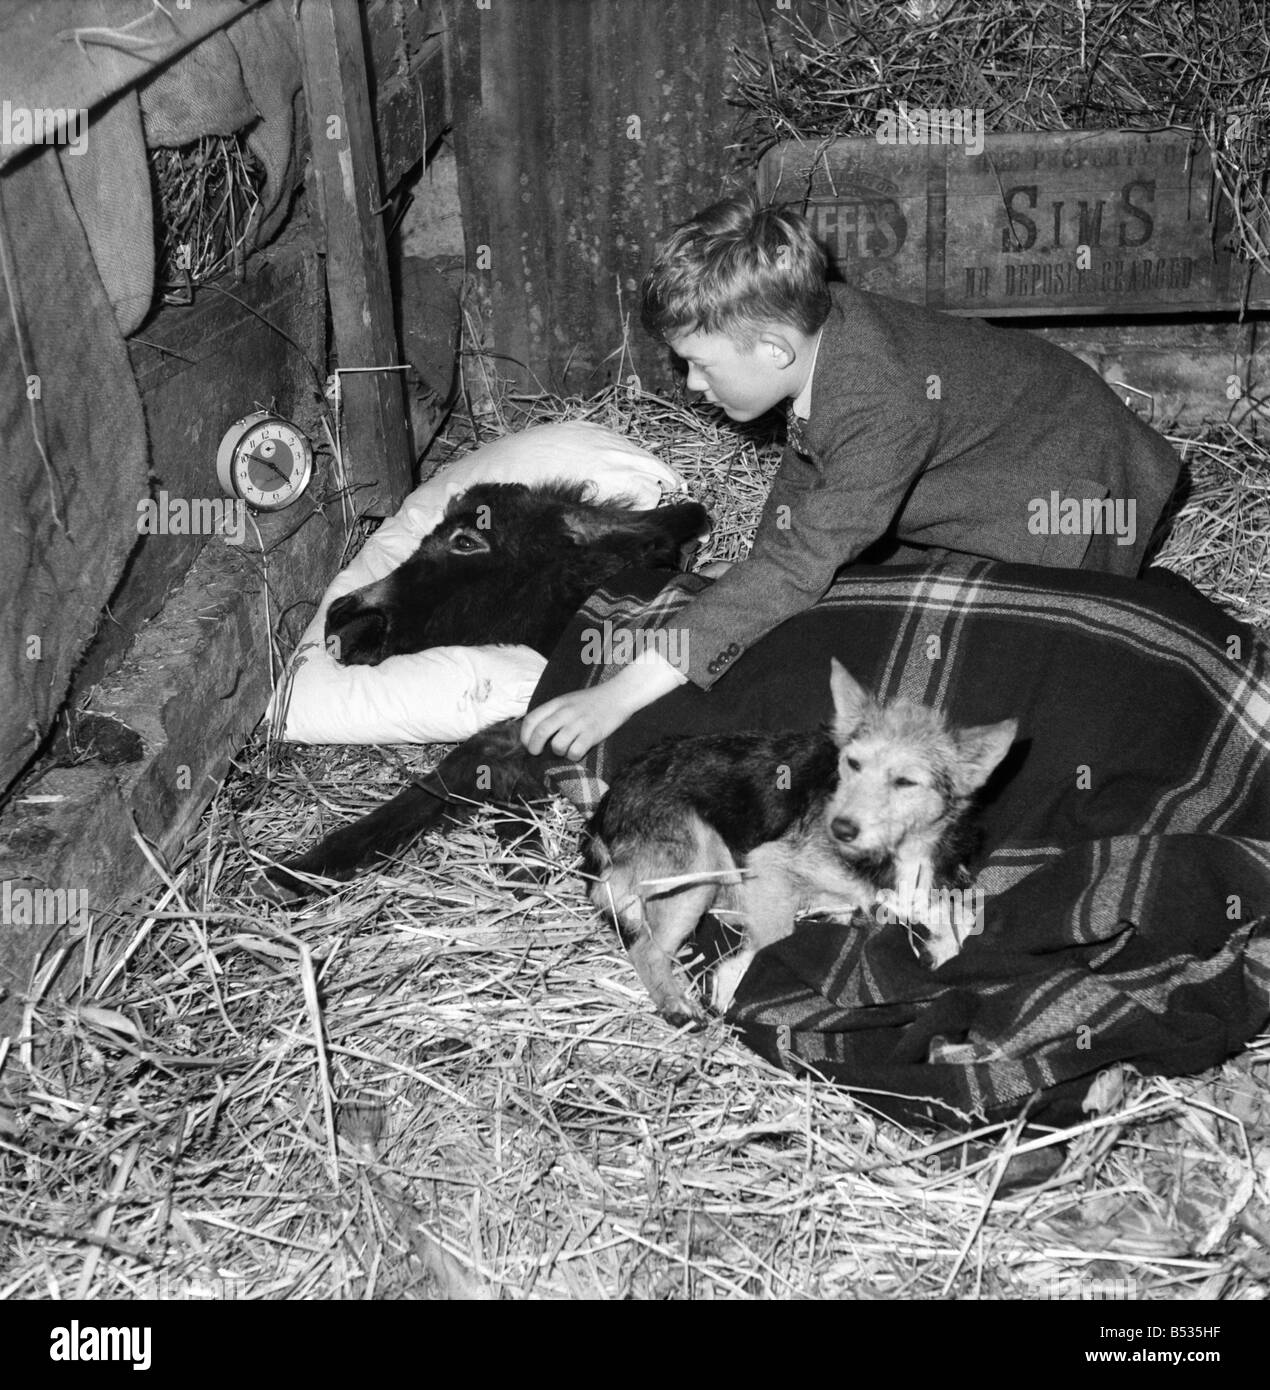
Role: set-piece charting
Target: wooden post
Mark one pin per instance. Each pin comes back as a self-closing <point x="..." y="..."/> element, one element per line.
<point x="342" y="140"/>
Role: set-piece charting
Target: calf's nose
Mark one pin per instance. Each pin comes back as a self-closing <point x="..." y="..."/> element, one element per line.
<point x="356" y="634"/>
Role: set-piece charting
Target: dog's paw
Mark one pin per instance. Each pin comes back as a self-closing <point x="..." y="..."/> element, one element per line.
<point x="726" y="979"/>
<point x="939" y="947"/>
<point x="685" y="1013"/>
<point x="886" y="906"/>
<point x="938" y="923"/>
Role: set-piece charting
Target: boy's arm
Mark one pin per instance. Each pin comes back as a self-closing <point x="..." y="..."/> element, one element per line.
<point x="573" y="724"/>
<point x="817" y="518"/>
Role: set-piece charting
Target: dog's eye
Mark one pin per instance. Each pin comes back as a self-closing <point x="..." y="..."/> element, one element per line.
<point x="854" y="764"/>
<point x="903" y="782"/>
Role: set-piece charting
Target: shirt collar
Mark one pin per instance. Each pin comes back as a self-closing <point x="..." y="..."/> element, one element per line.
<point x="802" y="401"/>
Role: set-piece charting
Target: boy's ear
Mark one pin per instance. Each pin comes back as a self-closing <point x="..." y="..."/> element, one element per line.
<point x="782" y="350"/>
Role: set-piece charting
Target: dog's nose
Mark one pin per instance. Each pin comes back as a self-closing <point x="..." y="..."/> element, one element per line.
<point x="844" y="829"/>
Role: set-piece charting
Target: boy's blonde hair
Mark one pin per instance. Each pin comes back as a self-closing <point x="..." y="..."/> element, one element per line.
<point x="734" y="269"/>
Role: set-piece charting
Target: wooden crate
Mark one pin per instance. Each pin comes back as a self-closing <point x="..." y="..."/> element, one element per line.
<point x="1070" y="222"/>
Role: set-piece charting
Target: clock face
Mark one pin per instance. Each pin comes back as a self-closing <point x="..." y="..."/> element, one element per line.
<point x="265" y="460"/>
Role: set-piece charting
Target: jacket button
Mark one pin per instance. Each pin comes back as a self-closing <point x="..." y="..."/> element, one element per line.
<point x="734" y="650"/>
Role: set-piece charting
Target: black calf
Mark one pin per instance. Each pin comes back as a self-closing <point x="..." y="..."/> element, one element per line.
<point x="509" y="563"/>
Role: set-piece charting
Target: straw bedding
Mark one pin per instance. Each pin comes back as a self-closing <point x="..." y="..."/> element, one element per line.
<point x="443" y="1081"/>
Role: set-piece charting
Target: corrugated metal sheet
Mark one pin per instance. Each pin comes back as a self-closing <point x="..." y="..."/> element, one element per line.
<point x="584" y="129"/>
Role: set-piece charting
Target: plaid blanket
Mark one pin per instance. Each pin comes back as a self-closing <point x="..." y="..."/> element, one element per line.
<point x="1125" y="852"/>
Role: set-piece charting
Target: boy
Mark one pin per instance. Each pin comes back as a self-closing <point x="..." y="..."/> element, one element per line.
<point x="909" y="430"/>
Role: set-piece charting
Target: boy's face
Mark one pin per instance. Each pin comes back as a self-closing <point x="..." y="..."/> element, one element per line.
<point x="744" y="382"/>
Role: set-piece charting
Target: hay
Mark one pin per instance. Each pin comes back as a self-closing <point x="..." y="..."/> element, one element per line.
<point x="207" y="195"/>
<point x="1219" y="537"/>
<point x="442" y="1082"/>
<point x="1029" y="65"/>
<point x="505" y="1117"/>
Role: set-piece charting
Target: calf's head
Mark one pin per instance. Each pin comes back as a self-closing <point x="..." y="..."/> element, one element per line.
<point x="508" y="563"/>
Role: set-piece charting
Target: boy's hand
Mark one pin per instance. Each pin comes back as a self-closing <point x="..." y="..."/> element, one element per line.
<point x="573" y="724"/>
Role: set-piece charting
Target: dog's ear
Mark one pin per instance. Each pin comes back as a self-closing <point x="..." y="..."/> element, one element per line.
<point x="850" y="700"/>
<point x="979" y="750"/>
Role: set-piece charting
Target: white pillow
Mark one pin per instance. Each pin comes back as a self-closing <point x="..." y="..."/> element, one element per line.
<point x="446" y="694"/>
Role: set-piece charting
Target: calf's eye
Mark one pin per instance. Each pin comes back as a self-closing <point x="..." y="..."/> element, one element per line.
<point x="854" y="764"/>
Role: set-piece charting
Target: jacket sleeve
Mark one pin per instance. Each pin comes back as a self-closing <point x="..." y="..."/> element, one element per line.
<point x="819" y="515"/>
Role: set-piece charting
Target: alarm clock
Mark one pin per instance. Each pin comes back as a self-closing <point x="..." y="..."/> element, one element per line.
<point x="264" y="460"/>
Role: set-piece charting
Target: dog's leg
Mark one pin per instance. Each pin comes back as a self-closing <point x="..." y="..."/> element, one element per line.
<point x="949" y="922"/>
<point x="670" y="919"/>
<point x="922" y="899"/>
<point x="653" y="927"/>
<point x="658" y="893"/>
<point x="768" y="895"/>
<point x="767" y="899"/>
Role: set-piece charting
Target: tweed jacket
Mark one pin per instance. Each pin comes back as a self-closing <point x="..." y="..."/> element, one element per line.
<point x="934" y="431"/>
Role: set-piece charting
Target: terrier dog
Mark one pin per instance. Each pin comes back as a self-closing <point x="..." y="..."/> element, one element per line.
<point x="870" y="812"/>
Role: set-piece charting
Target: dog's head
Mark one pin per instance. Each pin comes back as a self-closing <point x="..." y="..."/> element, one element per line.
<point x="904" y="776"/>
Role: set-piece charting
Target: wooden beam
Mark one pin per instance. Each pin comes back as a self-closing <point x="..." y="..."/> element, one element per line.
<point x="411" y="112"/>
<point x="405" y="66"/>
<point x="342" y="138"/>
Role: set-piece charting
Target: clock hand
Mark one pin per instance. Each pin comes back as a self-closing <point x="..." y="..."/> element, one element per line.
<point x="283" y="473"/>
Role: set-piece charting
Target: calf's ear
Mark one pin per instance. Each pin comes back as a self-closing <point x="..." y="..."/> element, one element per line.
<point x="685" y="521"/>
<point x="657" y="528"/>
<point x="592" y="525"/>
